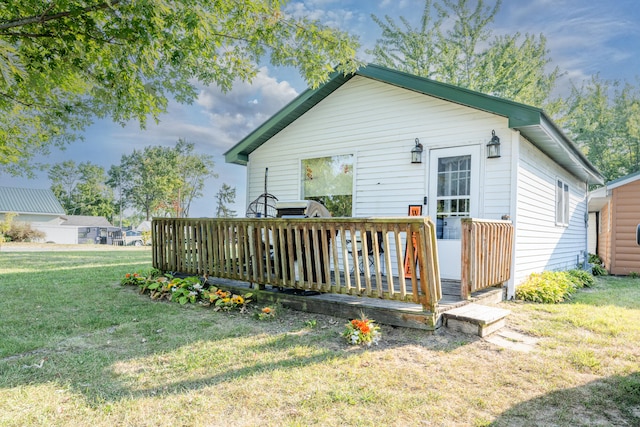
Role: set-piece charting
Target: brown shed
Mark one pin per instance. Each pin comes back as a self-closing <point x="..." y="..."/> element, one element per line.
<point x="615" y="212"/>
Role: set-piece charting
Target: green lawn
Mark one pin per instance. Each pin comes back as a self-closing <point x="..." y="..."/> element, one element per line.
<point x="76" y="348"/>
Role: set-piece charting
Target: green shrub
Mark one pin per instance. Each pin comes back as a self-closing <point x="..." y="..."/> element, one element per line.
<point x="634" y="275"/>
<point x="190" y="289"/>
<point x="595" y="259"/>
<point x="581" y="278"/>
<point x="22" y="232"/>
<point x="596" y="262"/>
<point x="14" y="231"/>
<point x="598" y="270"/>
<point x="548" y="287"/>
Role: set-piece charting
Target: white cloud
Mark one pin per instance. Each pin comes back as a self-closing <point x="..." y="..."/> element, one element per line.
<point x="396" y="5"/>
<point x="583" y="38"/>
<point x="231" y="116"/>
<point x="328" y="12"/>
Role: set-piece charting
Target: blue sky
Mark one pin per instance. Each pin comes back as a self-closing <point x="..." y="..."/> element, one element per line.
<point x="584" y="38"/>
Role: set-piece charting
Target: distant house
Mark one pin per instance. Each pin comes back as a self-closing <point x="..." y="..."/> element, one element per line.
<point x="42" y="210"/>
<point x="32" y="205"/>
<point x="90" y="229"/>
<point x="614" y="217"/>
<point x="357" y="144"/>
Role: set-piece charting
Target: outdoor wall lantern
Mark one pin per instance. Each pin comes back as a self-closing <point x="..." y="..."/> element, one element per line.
<point x="416" y="152"/>
<point x="493" y="146"/>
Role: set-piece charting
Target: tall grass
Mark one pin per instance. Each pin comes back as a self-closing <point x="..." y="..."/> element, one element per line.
<point x="76" y="348"/>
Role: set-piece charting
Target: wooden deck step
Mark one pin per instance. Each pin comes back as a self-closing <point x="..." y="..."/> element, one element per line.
<point x="475" y="319"/>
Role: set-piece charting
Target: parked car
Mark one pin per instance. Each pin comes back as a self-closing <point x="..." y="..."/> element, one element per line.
<point x="132" y="237"/>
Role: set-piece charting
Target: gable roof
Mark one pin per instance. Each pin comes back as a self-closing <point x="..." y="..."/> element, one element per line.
<point x="86" y="221"/>
<point x="532" y="122"/>
<point x="599" y="197"/>
<point x="623" y="180"/>
<point x="29" y="201"/>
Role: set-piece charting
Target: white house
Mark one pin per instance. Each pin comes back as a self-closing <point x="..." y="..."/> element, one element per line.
<point x="350" y="142"/>
<point x="30" y="204"/>
<point x="38" y="207"/>
<point x="42" y="210"/>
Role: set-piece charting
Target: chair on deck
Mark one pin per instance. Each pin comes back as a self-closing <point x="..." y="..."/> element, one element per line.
<point x="370" y="256"/>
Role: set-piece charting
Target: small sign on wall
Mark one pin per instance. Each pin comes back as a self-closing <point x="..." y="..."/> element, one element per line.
<point x="414" y="210"/>
<point x="638" y="235"/>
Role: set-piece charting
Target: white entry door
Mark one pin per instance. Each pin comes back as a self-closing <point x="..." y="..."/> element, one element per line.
<point x="454" y="175"/>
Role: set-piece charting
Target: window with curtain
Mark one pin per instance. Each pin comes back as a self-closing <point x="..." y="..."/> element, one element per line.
<point x="329" y="180"/>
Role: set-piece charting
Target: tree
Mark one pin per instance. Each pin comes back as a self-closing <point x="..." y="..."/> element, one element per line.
<point x="115" y="181"/>
<point x="5" y="225"/>
<point x="148" y="179"/>
<point x="193" y="169"/>
<point x="81" y="189"/>
<point x="162" y="180"/>
<point x="64" y="63"/>
<point x="603" y="118"/>
<point x="64" y="179"/>
<point x="412" y="50"/>
<point x="226" y="195"/>
<point x="467" y="54"/>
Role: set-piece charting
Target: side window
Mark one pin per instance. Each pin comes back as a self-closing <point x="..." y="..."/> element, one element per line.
<point x="329" y="180"/>
<point x="566" y="201"/>
<point x="562" y="203"/>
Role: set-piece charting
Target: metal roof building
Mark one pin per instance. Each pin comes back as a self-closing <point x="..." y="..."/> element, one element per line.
<point x="29" y="201"/>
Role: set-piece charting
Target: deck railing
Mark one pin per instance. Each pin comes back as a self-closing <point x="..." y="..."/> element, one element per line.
<point x="486" y="254"/>
<point x="355" y="256"/>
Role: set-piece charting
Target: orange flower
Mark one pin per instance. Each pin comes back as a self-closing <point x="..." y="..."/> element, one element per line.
<point x="365" y="328"/>
<point x="266" y="310"/>
<point x="127" y="275"/>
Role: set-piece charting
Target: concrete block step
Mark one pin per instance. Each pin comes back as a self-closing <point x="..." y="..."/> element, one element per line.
<point x="475" y="319"/>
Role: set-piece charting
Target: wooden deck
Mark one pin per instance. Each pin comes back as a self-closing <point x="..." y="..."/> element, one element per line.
<point x="388" y="312"/>
<point x="385" y="267"/>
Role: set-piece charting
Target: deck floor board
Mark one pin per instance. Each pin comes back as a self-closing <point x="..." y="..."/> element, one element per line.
<point x="393" y="312"/>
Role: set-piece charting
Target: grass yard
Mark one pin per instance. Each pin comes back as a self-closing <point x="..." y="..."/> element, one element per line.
<point x="76" y="348"/>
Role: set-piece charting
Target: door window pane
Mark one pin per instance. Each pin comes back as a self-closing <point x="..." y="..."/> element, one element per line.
<point x="453" y="195"/>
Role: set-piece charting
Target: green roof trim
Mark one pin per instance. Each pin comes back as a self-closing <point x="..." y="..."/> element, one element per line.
<point x="532" y="122"/>
<point x="239" y="153"/>
<point x="518" y="114"/>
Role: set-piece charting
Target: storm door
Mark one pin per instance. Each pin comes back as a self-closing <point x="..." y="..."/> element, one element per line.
<point x="453" y="195"/>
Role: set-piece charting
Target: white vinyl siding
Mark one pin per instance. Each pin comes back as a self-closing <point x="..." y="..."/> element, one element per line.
<point x="540" y="243"/>
<point x="378" y="123"/>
